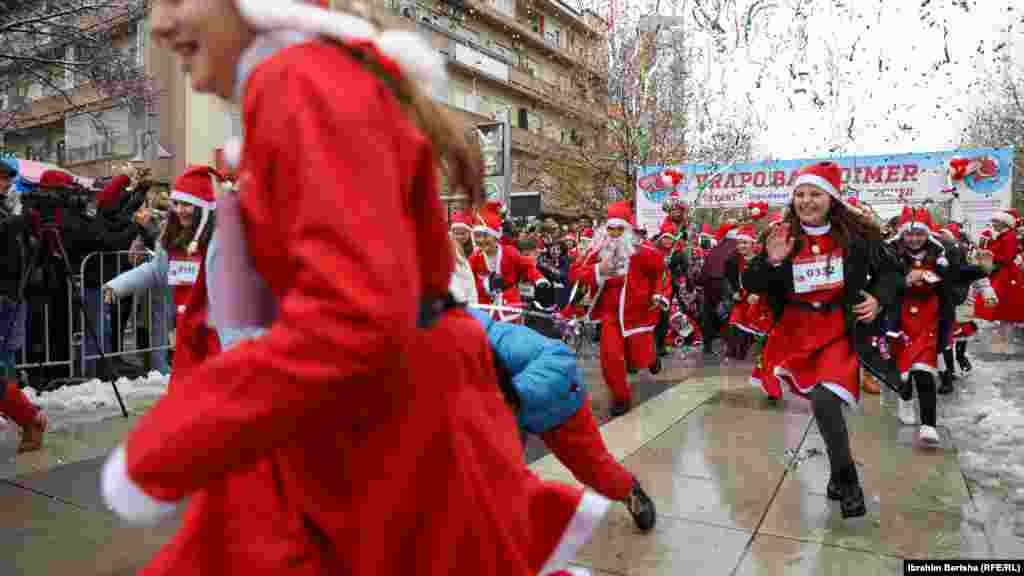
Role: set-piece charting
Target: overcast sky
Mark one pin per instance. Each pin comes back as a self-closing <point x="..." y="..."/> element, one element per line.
<point x="916" y="102"/>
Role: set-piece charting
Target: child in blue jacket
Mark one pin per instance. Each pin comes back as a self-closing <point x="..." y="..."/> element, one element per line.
<point x="542" y="382"/>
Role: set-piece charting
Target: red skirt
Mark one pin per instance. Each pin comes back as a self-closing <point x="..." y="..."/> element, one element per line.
<point x="803" y="358"/>
<point x="752" y="315"/>
<point x="919" y="349"/>
<point x="1008" y="284"/>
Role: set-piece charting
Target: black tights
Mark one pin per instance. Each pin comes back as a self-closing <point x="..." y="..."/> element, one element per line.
<point x="947" y="359"/>
<point x="961" y="350"/>
<point x="828" y="413"/>
<point x="925" y="383"/>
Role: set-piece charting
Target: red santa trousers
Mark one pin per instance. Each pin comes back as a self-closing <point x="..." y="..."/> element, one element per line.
<point x="15" y="405"/>
<point x="577" y="443"/>
<point x="616" y="348"/>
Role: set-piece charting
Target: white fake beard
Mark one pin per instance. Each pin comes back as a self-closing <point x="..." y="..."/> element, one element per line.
<point x="623" y="246"/>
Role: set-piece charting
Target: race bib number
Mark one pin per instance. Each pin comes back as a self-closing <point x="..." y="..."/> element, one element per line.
<point x="182" y="272"/>
<point x="817" y="274"/>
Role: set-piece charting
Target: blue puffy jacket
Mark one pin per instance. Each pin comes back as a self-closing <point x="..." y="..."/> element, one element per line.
<point x="544" y="373"/>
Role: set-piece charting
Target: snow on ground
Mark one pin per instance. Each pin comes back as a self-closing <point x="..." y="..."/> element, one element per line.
<point x="987" y="421"/>
<point x="95" y="400"/>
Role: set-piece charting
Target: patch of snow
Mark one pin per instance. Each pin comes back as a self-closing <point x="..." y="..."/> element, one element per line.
<point x="95" y="400"/>
<point x="987" y="422"/>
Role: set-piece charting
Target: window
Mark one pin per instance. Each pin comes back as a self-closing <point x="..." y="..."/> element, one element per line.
<point x="531" y="66"/>
<point x="534" y="122"/>
<point x="30" y="154"/>
<point x="35" y="91"/>
<point x="506" y="7"/>
<point x="553" y="33"/>
<point x="536" y="23"/>
<point x="140" y="43"/>
<point x="60" y="152"/>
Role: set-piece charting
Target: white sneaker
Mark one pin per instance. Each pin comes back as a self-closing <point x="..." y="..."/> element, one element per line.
<point x="929" y="435"/>
<point x="905" y="412"/>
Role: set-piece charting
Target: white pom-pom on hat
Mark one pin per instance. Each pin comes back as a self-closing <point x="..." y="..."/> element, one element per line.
<point x="414" y="55"/>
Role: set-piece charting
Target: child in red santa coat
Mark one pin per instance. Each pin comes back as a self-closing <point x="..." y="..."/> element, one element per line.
<point x="926" y="315"/>
<point x="499" y="268"/>
<point x="1007" y="275"/>
<point x="314" y="404"/>
<point x="745" y="317"/>
<point x="627" y="279"/>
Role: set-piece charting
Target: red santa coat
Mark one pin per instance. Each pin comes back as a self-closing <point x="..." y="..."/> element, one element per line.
<point x="330" y="403"/>
<point x="644" y="279"/>
<point x="1007" y="281"/>
<point x="514" y="268"/>
<point x="919" y="321"/>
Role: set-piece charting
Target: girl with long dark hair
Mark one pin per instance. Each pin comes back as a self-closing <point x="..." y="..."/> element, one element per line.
<point x="825" y="266"/>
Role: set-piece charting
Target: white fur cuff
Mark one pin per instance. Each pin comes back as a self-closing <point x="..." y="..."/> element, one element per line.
<point x="126" y="499"/>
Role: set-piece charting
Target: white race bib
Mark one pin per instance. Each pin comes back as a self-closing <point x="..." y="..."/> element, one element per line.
<point x="182" y="272"/>
<point x="817" y="273"/>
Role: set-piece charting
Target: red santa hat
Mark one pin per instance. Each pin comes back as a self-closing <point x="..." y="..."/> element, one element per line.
<point x="1016" y="214"/>
<point x="195" y="187"/>
<point x="588" y="233"/>
<point x="747" y="232"/>
<point x="775" y="219"/>
<point x="407" y="52"/>
<point x="1006" y="217"/>
<point x="758" y="210"/>
<point x="671" y="178"/>
<point x="824" y="175"/>
<point x="112" y="193"/>
<point x="726" y="230"/>
<point x="56" y="179"/>
<point x="459" y="220"/>
<point x="987" y="234"/>
<point x="952" y="231"/>
<point x="489" y="219"/>
<point x="919" y="219"/>
<point x="620" y="215"/>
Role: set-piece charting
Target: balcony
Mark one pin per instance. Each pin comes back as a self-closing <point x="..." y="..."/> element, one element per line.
<point x="553" y="94"/>
<point x="572" y="58"/>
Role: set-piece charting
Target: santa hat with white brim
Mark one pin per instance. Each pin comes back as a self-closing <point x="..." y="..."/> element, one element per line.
<point x="1005" y="217"/>
<point x="195" y="187"/>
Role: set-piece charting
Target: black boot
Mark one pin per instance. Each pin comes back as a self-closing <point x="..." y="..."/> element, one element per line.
<point x="832" y="491"/>
<point x="947" y="382"/>
<point x="961" y="357"/>
<point x="656" y="367"/>
<point x="641" y="508"/>
<point x="851" y="500"/>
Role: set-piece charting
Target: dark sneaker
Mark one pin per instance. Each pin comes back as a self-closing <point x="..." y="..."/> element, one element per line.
<point x="656" y="367"/>
<point x="619" y="408"/>
<point x="833" y="491"/>
<point x="965" y="364"/>
<point x="641" y="507"/>
<point x="947" y="383"/>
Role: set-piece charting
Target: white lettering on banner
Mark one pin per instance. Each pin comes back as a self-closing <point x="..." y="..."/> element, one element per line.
<point x="817" y="273"/>
<point x="182" y="272"/>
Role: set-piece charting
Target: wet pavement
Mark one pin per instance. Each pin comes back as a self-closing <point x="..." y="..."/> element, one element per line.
<point x="739" y="482"/>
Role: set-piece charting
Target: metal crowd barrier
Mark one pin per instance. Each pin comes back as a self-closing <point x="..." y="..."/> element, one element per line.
<point x="136" y="326"/>
<point x="26" y="358"/>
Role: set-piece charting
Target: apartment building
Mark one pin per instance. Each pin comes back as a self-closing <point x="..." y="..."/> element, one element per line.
<point x="96" y="134"/>
<point x="540" y="66"/>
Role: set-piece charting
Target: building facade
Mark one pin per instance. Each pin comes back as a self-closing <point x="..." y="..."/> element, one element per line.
<point x="539" y="67"/>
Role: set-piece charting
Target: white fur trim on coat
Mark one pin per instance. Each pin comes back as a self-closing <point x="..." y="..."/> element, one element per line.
<point x="588" y="516"/>
<point x="126" y="499"/>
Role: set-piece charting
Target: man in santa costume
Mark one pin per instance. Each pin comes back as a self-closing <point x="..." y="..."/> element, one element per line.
<point x="628" y="281"/>
<point x="1007" y="275"/>
<point x="333" y="401"/>
<point x="499" y="268"/>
